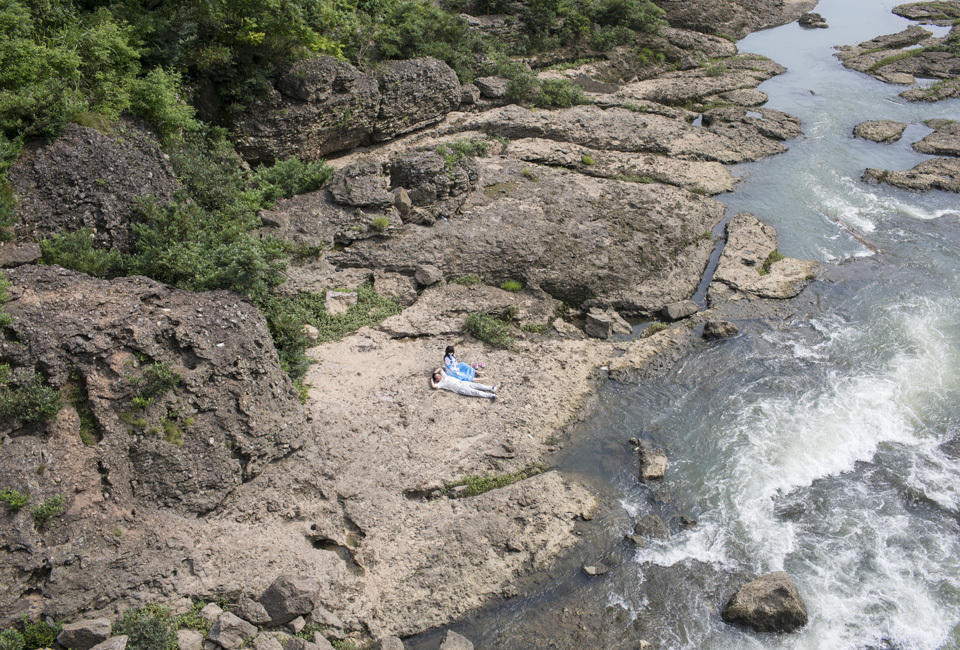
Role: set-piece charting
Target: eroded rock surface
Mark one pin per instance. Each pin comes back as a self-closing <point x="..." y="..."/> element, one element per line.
<point x="885" y="131"/>
<point x="933" y="174"/>
<point x="944" y="141"/>
<point x="938" y="12"/>
<point x="769" y="603"/>
<point x="88" y="179"/>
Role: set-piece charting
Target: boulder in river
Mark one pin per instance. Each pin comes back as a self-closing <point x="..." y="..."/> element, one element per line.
<point x="653" y="462"/>
<point x="719" y="329"/>
<point x="812" y="20"/>
<point x="944" y="141"/>
<point x="770" y="603"/>
<point x="885" y="131"/>
<point x="933" y="174"/>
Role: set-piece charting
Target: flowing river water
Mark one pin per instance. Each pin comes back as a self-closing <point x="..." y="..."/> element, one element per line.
<point x="825" y="441"/>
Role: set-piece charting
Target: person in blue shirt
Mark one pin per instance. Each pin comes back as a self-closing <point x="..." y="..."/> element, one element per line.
<point x="455" y="368"/>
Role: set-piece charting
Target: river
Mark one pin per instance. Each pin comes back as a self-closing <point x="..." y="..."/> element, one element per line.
<point x="824" y="442"/>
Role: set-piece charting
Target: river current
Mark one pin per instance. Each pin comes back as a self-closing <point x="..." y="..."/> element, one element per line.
<point x="826" y="442"/>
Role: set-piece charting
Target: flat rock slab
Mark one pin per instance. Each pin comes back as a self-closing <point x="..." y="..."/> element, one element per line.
<point x="937" y="12"/>
<point x="934" y="174"/>
<point x="944" y="141"/>
<point x="885" y="131"/>
<point x="85" y="634"/>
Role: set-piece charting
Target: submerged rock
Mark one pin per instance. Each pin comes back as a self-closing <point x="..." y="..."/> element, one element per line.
<point x="885" y="131"/>
<point x="770" y="603"/>
<point x="719" y="329"/>
<point x="933" y="174"/>
<point x="454" y="641"/>
<point x="653" y="462"/>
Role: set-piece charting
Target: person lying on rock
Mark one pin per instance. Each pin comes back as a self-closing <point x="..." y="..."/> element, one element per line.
<point x="440" y="379"/>
<point x="456" y="368"/>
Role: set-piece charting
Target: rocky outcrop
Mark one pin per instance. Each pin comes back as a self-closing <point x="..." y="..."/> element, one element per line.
<point x="185" y="394"/>
<point x="751" y="266"/>
<point x="361" y="185"/>
<point x="82" y="635"/>
<point x="734" y="19"/>
<point x="944" y="141"/>
<point x="769" y="603"/>
<point x="89" y="179"/>
<point x="937" y="12"/>
<point x="812" y="20"/>
<point x="893" y="58"/>
<point x="429" y="177"/>
<point x="885" y="131"/>
<point x="933" y="174"/>
<point x="322" y="105"/>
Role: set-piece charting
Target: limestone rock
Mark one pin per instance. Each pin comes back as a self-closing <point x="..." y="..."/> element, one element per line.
<point x="595" y="569"/>
<point x="189" y="639"/>
<point x="414" y="93"/>
<point x="86" y="179"/>
<point x="397" y="286"/>
<point x="677" y="310"/>
<point x="236" y="409"/>
<point x="82" y="635"/>
<point x="361" y="184"/>
<point x="117" y="643"/>
<point x="769" y="603"/>
<point x="339" y="302"/>
<point x="943" y="90"/>
<point x="653" y="463"/>
<point x="266" y="641"/>
<point x="719" y="329"/>
<point x="252" y="611"/>
<point x="311" y="332"/>
<point x="454" y="641"/>
<point x="933" y="174"/>
<point x="402" y="202"/>
<point x="429" y="178"/>
<point x="812" y="20"/>
<point x="602" y="324"/>
<point x="469" y="95"/>
<point x="736" y="18"/>
<point x="14" y="254"/>
<point x="391" y="643"/>
<point x="296" y="643"/>
<point x="651" y="526"/>
<point x="288" y="597"/>
<point x="492" y="87"/>
<point x="321" y="642"/>
<point x="930" y="13"/>
<point x="427" y="275"/>
<point x="211" y="612"/>
<point x="230" y="631"/>
<point x="322" y="616"/>
<point x="885" y="131"/>
<point x="944" y="141"/>
<point x="297" y="624"/>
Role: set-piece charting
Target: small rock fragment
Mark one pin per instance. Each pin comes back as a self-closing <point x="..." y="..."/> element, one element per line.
<point x="231" y="631"/>
<point x="719" y="329"/>
<point x="339" y="302"/>
<point x="116" y="643"/>
<point x="454" y="641"/>
<point x="191" y="640"/>
<point x="681" y="309"/>
<point x="427" y="275"/>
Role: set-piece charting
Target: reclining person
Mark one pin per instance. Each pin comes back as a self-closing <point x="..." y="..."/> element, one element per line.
<point x="440" y="379"/>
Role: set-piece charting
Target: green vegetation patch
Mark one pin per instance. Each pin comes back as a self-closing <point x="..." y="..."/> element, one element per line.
<point x="774" y="257"/>
<point x="466" y="280"/>
<point x="893" y="58"/>
<point x="14" y="500"/>
<point x="11" y="640"/>
<point x="150" y="627"/>
<point x="39" y="634"/>
<point x="30" y="400"/>
<point x="653" y="328"/>
<point x="512" y="285"/>
<point x="52" y="507"/>
<point x="477" y="484"/>
<point x="490" y="329"/>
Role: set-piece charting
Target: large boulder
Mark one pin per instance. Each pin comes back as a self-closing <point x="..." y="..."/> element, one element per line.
<point x="429" y="177"/>
<point x="184" y="393"/>
<point x="230" y="631"/>
<point x="289" y="597"/>
<point x="770" y="603"/>
<point x="86" y="178"/>
<point x="885" y="131"/>
<point x="82" y="635"/>
<point x="322" y="105"/>
<point x="414" y="93"/>
<point x="362" y="184"/>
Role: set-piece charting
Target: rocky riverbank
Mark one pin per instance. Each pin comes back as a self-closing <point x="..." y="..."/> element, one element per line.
<point x="184" y="463"/>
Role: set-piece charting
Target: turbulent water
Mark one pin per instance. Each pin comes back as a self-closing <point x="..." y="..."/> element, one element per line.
<point x="826" y="444"/>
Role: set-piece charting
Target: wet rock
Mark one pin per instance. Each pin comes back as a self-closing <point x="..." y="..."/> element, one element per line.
<point x="653" y="463"/>
<point x="428" y="177"/>
<point x="944" y="141"/>
<point x="933" y="174"/>
<point x="454" y="641"/>
<point x="117" y="643"/>
<point x="749" y="265"/>
<point x="938" y="12"/>
<point x="651" y="527"/>
<point x="677" y="310"/>
<point x="938" y="91"/>
<point x="595" y="569"/>
<point x="812" y="20"/>
<point x="602" y="324"/>
<point x="687" y="521"/>
<point x="769" y="603"/>
<point x="82" y="635"/>
<point x="14" y="254"/>
<point x="289" y="597"/>
<point x="230" y="631"/>
<point x="193" y="640"/>
<point x="414" y="93"/>
<point x="492" y="87"/>
<point x="361" y="184"/>
<point x="885" y="131"/>
<point x="719" y="329"/>
<point x="339" y="302"/>
<point x="87" y="179"/>
<point x="427" y="275"/>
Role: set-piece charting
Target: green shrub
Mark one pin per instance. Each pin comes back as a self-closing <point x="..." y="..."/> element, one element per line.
<point x="8" y="205"/>
<point x="30" y="400"/>
<point x="559" y="93"/>
<point x="490" y="329"/>
<point x="466" y="280"/>
<point x="11" y="640"/>
<point x="13" y="499"/>
<point x="157" y="379"/>
<point x="774" y="257"/>
<point x="192" y="619"/>
<point x="75" y="250"/>
<point x="39" y="634"/>
<point x="455" y="151"/>
<point x="52" y="507"/>
<point x="512" y="285"/>
<point x="150" y="627"/>
<point x="290" y="177"/>
<point x="652" y="329"/>
<point x="587" y="160"/>
<point x="380" y="224"/>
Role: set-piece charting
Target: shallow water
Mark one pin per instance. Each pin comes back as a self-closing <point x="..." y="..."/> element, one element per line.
<point x="826" y="444"/>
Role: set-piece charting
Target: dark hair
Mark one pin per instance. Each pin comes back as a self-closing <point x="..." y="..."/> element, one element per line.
<point x="449" y="350"/>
